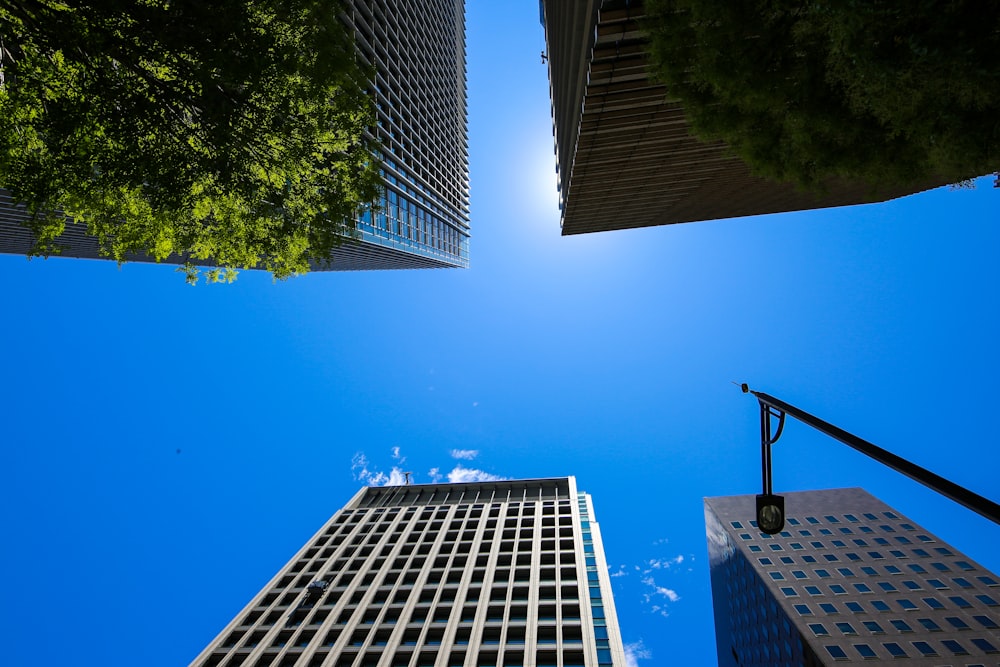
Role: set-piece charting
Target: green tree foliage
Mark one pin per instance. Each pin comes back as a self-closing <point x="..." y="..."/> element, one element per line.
<point x="885" y="92"/>
<point x="231" y="131"/>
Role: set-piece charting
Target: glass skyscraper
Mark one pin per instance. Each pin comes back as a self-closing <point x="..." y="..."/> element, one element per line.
<point x="625" y="154"/>
<point x="508" y="573"/>
<point x="848" y="580"/>
<point x="417" y="51"/>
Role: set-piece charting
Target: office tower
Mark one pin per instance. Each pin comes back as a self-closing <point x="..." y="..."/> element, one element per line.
<point x="624" y="151"/>
<point x="508" y="573"/>
<point x="848" y="580"/>
<point x="417" y="50"/>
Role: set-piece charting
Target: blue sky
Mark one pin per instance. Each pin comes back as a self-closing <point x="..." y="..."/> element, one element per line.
<point x="608" y="357"/>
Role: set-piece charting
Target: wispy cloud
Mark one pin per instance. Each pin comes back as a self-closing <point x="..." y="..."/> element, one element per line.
<point x="434" y="474"/>
<point x="621" y="572"/>
<point x="656" y="591"/>
<point x="462" y="474"/>
<point x="661" y="563"/>
<point x="363" y="471"/>
<point x="396" y="455"/>
<point x="464" y="454"/>
<point x="634" y="652"/>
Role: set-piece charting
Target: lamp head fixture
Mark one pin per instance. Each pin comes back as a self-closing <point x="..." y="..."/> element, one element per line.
<point x="770" y="513"/>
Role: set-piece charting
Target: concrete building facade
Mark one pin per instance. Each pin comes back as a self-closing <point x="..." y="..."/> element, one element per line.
<point x="417" y="50"/>
<point x="849" y="580"/>
<point x="624" y="150"/>
<point x="508" y="573"/>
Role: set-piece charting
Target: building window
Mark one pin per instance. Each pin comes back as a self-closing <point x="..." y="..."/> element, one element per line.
<point x="879" y="605"/>
<point x="985" y="646"/>
<point x="836" y="652"/>
<point x="846" y="628"/>
<point x="873" y="627"/>
<point x="894" y="649"/>
<point x="855" y="607"/>
<point x="803" y="610"/>
<point x="954" y="647"/>
<point x="924" y="648"/>
<point x="906" y="605"/>
<point x="987" y="622"/>
<point x="901" y="625"/>
<point x="959" y="602"/>
<point x="865" y="651"/>
<point x="828" y="608"/>
<point x="929" y="624"/>
<point x="957" y="623"/>
<point x="819" y="630"/>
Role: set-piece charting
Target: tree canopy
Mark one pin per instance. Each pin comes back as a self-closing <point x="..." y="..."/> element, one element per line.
<point x="227" y="131"/>
<point x="888" y="93"/>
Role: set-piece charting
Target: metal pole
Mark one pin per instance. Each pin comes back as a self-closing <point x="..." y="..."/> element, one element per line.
<point x="959" y="494"/>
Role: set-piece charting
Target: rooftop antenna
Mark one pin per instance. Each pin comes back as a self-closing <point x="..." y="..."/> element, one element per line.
<point x="408" y="477"/>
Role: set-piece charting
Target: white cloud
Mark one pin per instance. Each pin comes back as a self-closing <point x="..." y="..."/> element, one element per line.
<point x="363" y="473"/>
<point x="662" y="563"/>
<point x="464" y="454"/>
<point x="359" y="467"/>
<point x="435" y="474"/>
<point x="634" y="652"/>
<point x="461" y="474"/>
<point x="662" y="591"/>
<point x="622" y="572"/>
<point x="395" y="455"/>
<point x="396" y="477"/>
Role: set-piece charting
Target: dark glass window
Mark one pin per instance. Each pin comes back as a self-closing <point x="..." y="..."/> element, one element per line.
<point x="865" y="651"/>
<point x="894" y="649"/>
<point x="901" y="625"/>
<point x="872" y="626"/>
<point x="836" y="652"/>
<point x="957" y="623"/>
<point x="985" y="646"/>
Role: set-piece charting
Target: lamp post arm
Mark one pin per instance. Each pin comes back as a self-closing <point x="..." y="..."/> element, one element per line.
<point x="959" y="494"/>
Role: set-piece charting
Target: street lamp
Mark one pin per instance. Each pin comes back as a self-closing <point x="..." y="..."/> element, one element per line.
<point x="771" y="508"/>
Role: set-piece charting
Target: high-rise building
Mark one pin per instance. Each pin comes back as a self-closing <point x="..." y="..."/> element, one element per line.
<point x="417" y="50"/>
<point x="508" y="573"/>
<point x="624" y="151"/>
<point x="848" y="580"/>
